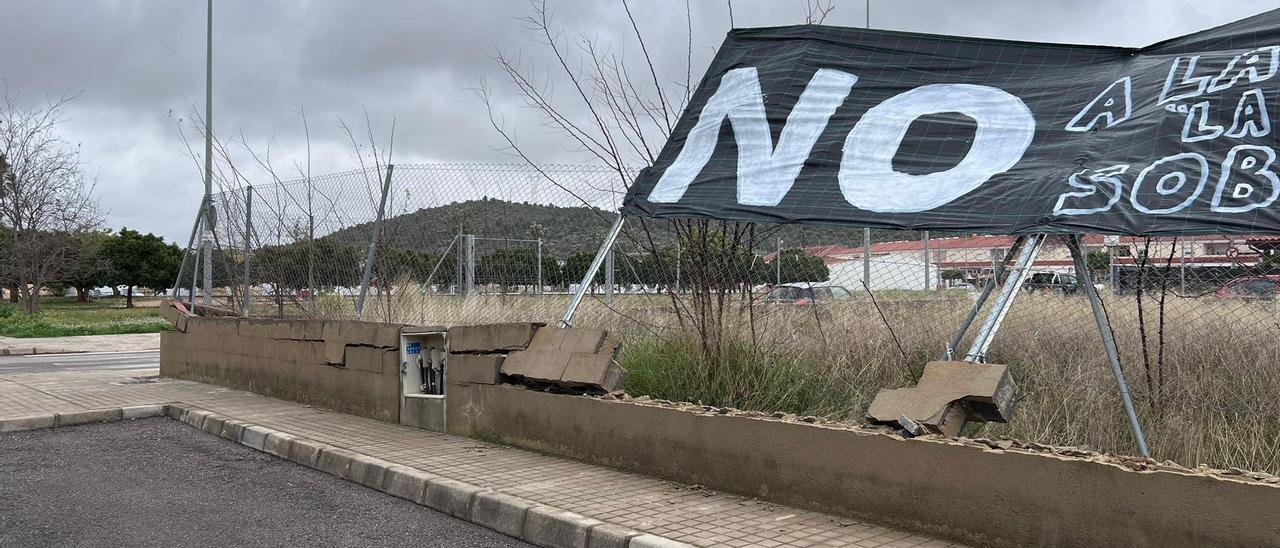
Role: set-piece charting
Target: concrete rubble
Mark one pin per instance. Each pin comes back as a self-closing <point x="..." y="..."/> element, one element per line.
<point x="948" y="395"/>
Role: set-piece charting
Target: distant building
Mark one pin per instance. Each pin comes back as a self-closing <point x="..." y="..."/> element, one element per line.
<point x="972" y="259"/>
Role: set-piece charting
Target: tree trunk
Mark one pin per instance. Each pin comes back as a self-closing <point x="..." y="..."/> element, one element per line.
<point x="82" y="294"/>
<point x="30" y="298"/>
<point x="128" y="298"/>
<point x="13" y="294"/>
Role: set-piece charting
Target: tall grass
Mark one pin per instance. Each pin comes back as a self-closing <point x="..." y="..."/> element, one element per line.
<point x="1218" y="403"/>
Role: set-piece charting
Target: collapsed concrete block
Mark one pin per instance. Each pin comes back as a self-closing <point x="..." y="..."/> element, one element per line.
<point x="497" y="337"/>
<point x="594" y="371"/>
<point x="568" y="340"/>
<point x="536" y="363"/>
<point x="475" y="368"/>
<point x="577" y="358"/>
<point x="948" y="395"/>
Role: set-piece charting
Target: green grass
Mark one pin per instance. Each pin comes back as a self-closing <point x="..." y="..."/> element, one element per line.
<point x="64" y="317"/>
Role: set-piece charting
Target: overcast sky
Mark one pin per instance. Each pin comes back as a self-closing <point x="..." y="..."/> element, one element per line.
<point x="139" y="65"/>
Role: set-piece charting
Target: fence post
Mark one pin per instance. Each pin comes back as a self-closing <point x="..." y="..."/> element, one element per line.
<point x="777" y="265"/>
<point x="866" y="258"/>
<point x="373" y="244"/>
<point x="460" y="257"/>
<point x="1108" y="342"/>
<point x="538" y="291"/>
<point x="248" y="232"/>
<point x="608" y="277"/>
<point x="927" y="276"/>
<point x="677" y="263"/>
<point x="469" y="269"/>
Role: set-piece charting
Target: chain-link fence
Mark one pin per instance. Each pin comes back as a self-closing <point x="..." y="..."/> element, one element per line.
<point x="802" y="319"/>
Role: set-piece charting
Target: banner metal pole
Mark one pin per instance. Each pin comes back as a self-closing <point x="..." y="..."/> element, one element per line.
<point x="373" y="244"/>
<point x="605" y="246"/>
<point x="1108" y="342"/>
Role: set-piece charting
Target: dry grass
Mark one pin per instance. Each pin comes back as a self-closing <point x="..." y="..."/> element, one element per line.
<point x="1219" y="405"/>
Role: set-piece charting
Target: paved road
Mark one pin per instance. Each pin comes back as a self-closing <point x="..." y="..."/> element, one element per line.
<point x="145" y="362"/>
<point x="157" y="482"/>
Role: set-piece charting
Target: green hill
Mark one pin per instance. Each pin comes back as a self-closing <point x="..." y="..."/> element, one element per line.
<point x="564" y="230"/>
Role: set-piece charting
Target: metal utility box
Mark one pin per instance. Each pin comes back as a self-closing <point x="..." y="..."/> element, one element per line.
<point x="423" y="377"/>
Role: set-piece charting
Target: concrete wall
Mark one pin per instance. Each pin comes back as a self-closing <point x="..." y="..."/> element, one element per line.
<point x="979" y="495"/>
<point x="351" y="367"/>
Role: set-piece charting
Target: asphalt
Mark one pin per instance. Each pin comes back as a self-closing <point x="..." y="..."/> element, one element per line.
<point x="157" y="482"/>
<point x="145" y="361"/>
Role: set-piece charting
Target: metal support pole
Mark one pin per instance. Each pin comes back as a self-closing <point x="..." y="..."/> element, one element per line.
<point x="1108" y="342"/>
<point x="927" y="275"/>
<point x="248" y="251"/>
<point x="195" y="270"/>
<point x="996" y="272"/>
<point x="539" y="289"/>
<point x="206" y="246"/>
<point x="608" y="277"/>
<point x="866" y="258"/>
<point x="469" y="266"/>
<point x="195" y="229"/>
<point x="373" y="244"/>
<point x="605" y="247"/>
<point x="1026" y="257"/>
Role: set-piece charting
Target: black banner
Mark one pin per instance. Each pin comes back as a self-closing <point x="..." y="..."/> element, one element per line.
<point x="818" y="124"/>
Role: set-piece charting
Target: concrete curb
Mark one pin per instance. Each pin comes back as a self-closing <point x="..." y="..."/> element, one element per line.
<point x="87" y="416"/>
<point x="513" y="516"/>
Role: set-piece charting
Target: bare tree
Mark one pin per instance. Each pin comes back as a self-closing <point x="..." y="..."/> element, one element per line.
<point x="45" y="200"/>
<point x="620" y="111"/>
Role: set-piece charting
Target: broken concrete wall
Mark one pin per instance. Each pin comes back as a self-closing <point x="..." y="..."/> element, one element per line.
<point x="347" y="366"/>
<point x="575" y="359"/>
<point x="969" y="492"/>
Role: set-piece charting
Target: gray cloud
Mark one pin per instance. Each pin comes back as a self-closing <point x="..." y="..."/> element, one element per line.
<point x="136" y="62"/>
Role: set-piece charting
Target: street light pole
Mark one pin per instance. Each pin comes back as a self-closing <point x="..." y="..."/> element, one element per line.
<point x="206" y="240"/>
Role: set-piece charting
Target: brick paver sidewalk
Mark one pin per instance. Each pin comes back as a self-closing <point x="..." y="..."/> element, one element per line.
<point x="681" y="512"/>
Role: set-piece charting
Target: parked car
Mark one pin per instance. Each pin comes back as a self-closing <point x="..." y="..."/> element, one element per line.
<point x="1051" y="281"/>
<point x="1250" y="288"/>
<point x="803" y="293"/>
